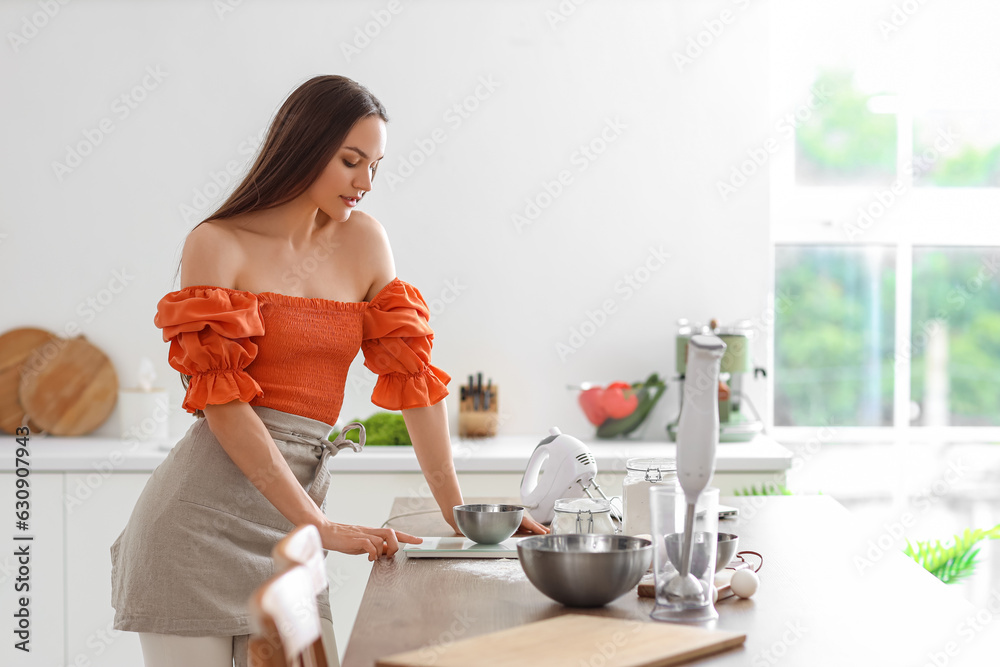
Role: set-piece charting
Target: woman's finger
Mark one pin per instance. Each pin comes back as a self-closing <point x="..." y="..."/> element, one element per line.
<point x="391" y="543"/>
<point x="407" y="538"/>
<point x="366" y="546"/>
<point x="531" y="526"/>
<point x="378" y="542"/>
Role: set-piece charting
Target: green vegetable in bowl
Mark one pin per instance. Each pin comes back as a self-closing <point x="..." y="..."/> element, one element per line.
<point x="649" y="392"/>
<point x="383" y="429"/>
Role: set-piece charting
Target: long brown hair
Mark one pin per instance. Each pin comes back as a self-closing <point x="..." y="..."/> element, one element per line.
<point x="305" y="133"/>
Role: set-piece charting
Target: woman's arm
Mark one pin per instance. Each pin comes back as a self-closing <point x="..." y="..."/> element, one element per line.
<point x="248" y="443"/>
<point x="428" y="426"/>
<point x="428" y="429"/>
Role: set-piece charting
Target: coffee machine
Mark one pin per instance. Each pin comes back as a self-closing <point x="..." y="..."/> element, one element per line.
<point x="735" y="424"/>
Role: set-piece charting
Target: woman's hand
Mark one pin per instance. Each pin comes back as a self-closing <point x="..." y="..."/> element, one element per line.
<point x="353" y="540"/>
<point x="530" y="527"/>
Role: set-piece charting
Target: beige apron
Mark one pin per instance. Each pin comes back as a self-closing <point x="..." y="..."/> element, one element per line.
<point x="199" y="540"/>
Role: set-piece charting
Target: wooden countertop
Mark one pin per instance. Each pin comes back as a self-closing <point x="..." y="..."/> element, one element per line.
<point x="828" y="596"/>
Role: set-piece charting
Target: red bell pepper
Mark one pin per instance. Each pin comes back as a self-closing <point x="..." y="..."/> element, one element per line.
<point x="619" y="400"/>
<point x="591" y="400"/>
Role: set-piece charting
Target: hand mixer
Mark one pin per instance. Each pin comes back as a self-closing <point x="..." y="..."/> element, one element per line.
<point x="560" y="467"/>
<point x="697" y="438"/>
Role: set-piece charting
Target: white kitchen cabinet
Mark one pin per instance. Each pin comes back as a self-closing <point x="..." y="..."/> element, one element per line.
<point x="45" y="575"/>
<point x="97" y="508"/>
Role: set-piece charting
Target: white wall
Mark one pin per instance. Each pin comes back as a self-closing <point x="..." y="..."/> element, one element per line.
<point x="558" y="86"/>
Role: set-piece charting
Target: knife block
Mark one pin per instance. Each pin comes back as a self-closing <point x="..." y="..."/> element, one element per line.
<point x="478" y="423"/>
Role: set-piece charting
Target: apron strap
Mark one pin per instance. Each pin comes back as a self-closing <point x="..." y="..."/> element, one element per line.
<point x="321" y="478"/>
<point x="241" y="648"/>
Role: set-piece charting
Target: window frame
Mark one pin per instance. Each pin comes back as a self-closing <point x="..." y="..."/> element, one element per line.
<point x="919" y="216"/>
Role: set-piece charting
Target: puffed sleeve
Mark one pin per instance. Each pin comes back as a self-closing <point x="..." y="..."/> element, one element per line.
<point x="209" y="330"/>
<point x="396" y="342"/>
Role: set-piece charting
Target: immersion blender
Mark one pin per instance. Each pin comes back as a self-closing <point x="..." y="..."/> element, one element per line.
<point x="697" y="438"/>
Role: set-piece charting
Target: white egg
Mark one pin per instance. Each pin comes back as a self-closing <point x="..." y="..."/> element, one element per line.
<point x="744" y="583"/>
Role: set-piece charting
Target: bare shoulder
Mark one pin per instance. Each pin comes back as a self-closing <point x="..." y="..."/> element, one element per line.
<point x="212" y="255"/>
<point x="366" y="226"/>
<point x="370" y="236"/>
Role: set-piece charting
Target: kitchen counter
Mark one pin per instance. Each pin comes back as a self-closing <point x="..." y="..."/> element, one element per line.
<point x="827" y="596"/>
<point x="84" y="489"/>
<point x="499" y="454"/>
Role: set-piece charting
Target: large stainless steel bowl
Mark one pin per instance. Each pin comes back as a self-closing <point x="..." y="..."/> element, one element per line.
<point x="488" y="524"/>
<point x="584" y="570"/>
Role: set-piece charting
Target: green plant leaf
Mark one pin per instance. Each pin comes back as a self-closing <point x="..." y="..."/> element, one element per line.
<point x="766" y="489"/>
<point x="951" y="562"/>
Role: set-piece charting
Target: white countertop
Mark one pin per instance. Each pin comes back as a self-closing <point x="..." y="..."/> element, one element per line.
<point x="495" y="455"/>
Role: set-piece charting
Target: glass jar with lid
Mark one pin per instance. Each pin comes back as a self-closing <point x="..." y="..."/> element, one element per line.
<point x="641" y="474"/>
<point x="583" y="515"/>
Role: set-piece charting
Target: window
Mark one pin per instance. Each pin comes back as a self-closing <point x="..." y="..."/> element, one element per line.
<point x="955" y="346"/>
<point x="884" y="207"/>
<point x="834" y="339"/>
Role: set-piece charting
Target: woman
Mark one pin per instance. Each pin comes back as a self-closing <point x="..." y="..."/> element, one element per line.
<point x="279" y="289"/>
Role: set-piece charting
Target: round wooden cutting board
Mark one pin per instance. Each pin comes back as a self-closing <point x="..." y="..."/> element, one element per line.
<point x="15" y="346"/>
<point x="73" y="391"/>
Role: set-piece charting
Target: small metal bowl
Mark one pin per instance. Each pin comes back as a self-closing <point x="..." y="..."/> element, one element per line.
<point x="488" y="524"/>
<point x="728" y="544"/>
<point x="584" y="570"/>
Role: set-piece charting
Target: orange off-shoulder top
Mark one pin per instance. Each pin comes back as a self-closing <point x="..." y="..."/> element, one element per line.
<point x="292" y="353"/>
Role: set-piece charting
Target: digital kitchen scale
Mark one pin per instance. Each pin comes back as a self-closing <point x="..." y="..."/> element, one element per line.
<point x="460" y="547"/>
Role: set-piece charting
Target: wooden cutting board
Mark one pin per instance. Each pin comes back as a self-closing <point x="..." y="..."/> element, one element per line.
<point x="15" y="346"/>
<point x="572" y="640"/>
<point x="73" y="391"/>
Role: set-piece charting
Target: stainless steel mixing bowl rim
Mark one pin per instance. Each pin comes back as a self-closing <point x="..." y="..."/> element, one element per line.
<point x="475" y="508"/>
<point x="537" y="543"/>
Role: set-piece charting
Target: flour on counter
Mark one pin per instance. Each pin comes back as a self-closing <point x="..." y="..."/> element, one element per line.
<point x="504" y="569"/>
